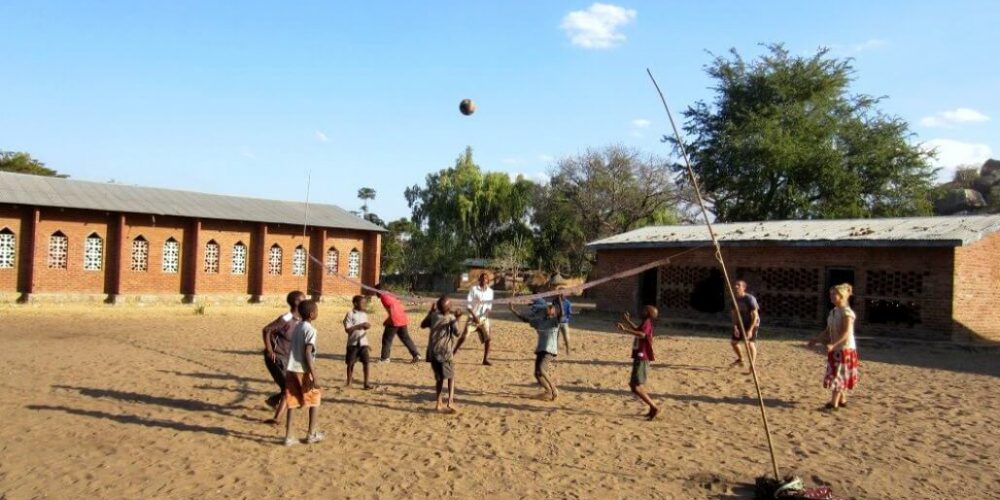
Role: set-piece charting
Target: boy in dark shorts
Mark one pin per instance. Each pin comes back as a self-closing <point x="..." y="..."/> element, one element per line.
<point x="547" y="326"/>
<point x="442" y="322"/>
<point x="277" y="335"/>
<point x="749" y="312"/>
<point x="642" y="354"/>
<point x="356" y="325"/>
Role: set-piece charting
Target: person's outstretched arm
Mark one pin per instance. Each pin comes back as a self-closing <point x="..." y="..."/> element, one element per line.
<point x="517" y="314"/>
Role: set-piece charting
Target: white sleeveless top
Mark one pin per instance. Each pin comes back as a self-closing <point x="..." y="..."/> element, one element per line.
<point x="833" y="325"/>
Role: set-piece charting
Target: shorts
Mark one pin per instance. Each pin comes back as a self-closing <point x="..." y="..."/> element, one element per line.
<point x="355" y="353"/>
<point x="482" y="328"/>
<point x="443" y="370"/>
<point x="543" y="361"/>
<point x="738" y="335"/>
<point x="640" y="369"/>
<point x="300" y="391"/>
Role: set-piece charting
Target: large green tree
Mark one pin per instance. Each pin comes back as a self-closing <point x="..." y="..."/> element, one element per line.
<point x="465" y="212"/>
<point x="597" y="194"/>
<point x="785" y="139"/>
<point x="23" y="163"/>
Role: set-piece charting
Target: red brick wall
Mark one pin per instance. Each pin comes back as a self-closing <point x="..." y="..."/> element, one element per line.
<point x="77" y="226"/>
<point x="11" y="218"/>
<point x="156" y="231"/>
<point x="935" y="265"/>
<point x="288" y="238"/>
<point x="977" y="290"/>
<point x="226" y="234"/>
<point x="345" y="241"/>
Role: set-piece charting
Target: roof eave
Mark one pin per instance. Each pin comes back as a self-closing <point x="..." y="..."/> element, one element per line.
<point x="782" y="243"/>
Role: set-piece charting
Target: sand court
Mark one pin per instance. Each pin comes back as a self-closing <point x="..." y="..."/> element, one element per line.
<point x="157" y="401"/>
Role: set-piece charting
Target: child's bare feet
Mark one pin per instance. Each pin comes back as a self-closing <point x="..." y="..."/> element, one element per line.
<point x="368" y="387"/>
<point x="653" y="412"/>
<point x="449" y="410"/>
<point x="555" y="394"/>
<point x="272" y="422"/>
<point x="738" y="362"/>
<point x="544" y="396"/>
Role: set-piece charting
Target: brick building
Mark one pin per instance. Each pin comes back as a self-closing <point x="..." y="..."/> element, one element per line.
<point x="65" y="237"/>
<point x="930" y="278"/>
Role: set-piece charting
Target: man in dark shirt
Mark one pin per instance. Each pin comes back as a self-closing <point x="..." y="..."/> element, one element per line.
<point x="277" y="337"/>
<point x="749" y="312"/>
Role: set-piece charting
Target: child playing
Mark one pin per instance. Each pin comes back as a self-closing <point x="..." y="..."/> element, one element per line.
<point x="301" y="384"/>
<point x="277" y="336"/>
<point x="841" y="348"/>
<point x="547" y="326"/>
<point x="442" y="322"/>
<point x="567" y="311"/>
<point x="356" y="325"/>
<point x="642" y="354"/>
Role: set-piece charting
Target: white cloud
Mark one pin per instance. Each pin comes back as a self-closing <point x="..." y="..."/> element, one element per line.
<point x="951" y="118"/>
<point x="952" y="153"/>
<point x="246" y="153"/>
<point x="857" y="48"/>
<point x="641" y="123"/>
<point x="321" y="137"/>
<point x="598" y="26"/>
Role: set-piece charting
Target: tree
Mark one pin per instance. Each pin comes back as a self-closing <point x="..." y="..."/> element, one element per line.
<point x="397" y="248"/>
<point x="465" y="212"/>
<point x="509" y="258"/>
<point x="23" y="163"/>
<point x="783" y="139"/>
<point x="365" y="194"/>
<point x="597" y="194"/>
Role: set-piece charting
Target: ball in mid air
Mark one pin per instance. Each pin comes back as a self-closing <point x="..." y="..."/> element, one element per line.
<point x="467" y="107"/>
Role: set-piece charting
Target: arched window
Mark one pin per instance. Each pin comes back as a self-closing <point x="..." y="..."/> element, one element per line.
<point x="332" y="261"/>
<point x="274" y="260"/>
<point x="8" y="249"/>
<point x="140" y="254"/>
<point x="212" y="257"/>
<point x="93" y="253"/>
<point x="58" y="250"/>
<point x="239" y="258"/>
<point x="353" y="264"/>
<point x="299" y="261"/>
<point x="171" y="256"/>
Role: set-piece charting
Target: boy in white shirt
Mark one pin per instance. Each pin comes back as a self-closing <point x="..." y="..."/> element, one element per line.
<point x="301" y="384"/>
<point x="356" y="325"/>
<point x="479" y="303"/>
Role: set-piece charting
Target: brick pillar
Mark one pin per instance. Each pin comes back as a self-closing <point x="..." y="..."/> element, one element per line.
<point x="373" y="259"/>
<point x="317" y="242"/>
<point x="256" y="259"/>
<point x="117" y="255"/>
<point x="26" y="266"/>
<point x="190" y="261"/>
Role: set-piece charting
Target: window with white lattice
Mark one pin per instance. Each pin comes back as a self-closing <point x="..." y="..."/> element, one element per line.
<point x="239" y="259"/>
<point x="93" y="253"/>
<point x="7" y="249"/>
<point x="353" y="264"/>
<point x="140" y="254"/>
<point x="332" y="261"/>
<point x="299" y="261"/>
<point x="171" y="256"/>
<point x="58" y="250"/>
<point x="274" y="260"/>
<point x="212" y="257"/>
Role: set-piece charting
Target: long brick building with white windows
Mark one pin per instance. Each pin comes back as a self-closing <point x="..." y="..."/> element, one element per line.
<point x="62" y="237"/>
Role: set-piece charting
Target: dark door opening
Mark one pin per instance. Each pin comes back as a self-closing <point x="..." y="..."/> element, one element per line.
<point x="836" y="276"/>
<point x="647" y="288"/>
<point x="709" y="294"/>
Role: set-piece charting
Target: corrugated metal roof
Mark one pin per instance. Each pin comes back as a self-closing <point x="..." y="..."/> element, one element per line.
<point x="891" y="232"/>
<point x="22" y="189"/>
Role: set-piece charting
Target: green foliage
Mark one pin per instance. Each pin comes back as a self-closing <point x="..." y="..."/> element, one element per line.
<point x="23" y="163"/>
<point x="599" y="194"/>
<point x="784" y="140"/>
<point x="465" y="212"/>
<point x="366" y="194"/>
<point x="397" y="248"/>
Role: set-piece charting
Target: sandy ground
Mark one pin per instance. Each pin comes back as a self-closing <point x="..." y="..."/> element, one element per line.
<point x="130" y="402"/>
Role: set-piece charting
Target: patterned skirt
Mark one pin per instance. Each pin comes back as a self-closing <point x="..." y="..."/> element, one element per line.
<point x="841" y="369"/>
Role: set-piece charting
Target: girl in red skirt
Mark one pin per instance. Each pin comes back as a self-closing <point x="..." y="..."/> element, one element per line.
<point x="841" y="348"/>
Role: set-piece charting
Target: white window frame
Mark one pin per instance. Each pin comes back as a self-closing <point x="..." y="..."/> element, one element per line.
<point x="140" y="255"/>
<point x="212" y="257"/>
<point x="8" y="249"/>
<point x="332" y="261"/>
<point x="93" y="253"/>
<point x="58" y="257"/>
<point x="299" y="261"/>
<point x="171" y="256"/>
<point x="239" y="260"/>
<point x="274" y="258"/>
<point x="354" y="264"/>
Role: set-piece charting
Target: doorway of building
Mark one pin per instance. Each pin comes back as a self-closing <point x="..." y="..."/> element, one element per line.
<point x="648" y="287"/>
<point x="836" y="276"/>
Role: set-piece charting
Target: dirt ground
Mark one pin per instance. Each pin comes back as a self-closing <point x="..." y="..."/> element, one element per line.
<point x="157" y="401"/>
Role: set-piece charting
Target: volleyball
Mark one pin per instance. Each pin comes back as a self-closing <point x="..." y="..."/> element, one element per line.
<point x="467" y="107"/>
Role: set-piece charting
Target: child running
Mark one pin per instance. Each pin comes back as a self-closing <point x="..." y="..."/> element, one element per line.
<point x="277" y="336"/>
<point x="356" y="325"/>
<point x="442" y="322"/>
<point x="642" y="354"/>
<point x="301" y="383"/>
<point x="547" y="326"/>
<point x="841" y="348"/>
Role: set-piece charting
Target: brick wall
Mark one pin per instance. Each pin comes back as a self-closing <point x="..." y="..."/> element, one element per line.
<point x="156" y="231"/>
<point x="76" y="226"/>
<point x="977" y="290"/>
<point x="799" y="298"/>
<point x="11" y="219"/>
<point x="287" y="238"/>
<point x="226" y="235"/>
<point x="345" y="241"/>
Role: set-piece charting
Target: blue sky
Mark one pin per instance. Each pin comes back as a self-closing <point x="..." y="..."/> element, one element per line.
<point x="247" y="97"/>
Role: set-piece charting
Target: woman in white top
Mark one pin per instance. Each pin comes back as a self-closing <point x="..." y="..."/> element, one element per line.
<point x="841" y="348"/>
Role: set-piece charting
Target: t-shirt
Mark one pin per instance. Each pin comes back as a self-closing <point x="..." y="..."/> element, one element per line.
<point x="746" y="304"/>
<point x="642" y="347"/>
<point x="480" y="300"/>
<point x="303" y="335"/>
<point x="548" y="330"/>
<point x="397" y="313"/>
<point x="567" y="309"/>
<point x="281" y="333"/>
<point x="441" y="339"/>
<point x="833" y="322"/>
<point x="358" y="337"/>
